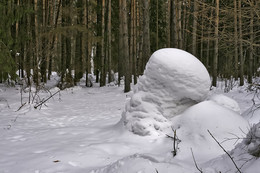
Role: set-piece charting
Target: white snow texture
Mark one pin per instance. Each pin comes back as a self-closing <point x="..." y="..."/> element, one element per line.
<point x="173" y="81"/>
<point x="226" y="102"/>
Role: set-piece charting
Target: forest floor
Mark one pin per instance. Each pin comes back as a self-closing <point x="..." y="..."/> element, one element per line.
<point x="77" y="131"/>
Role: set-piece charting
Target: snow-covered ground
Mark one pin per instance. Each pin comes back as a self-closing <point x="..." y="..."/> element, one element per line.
<point x="78" y="132"/>
<point x="103" y="130"/>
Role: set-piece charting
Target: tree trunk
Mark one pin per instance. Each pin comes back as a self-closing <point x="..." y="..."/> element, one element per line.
<point x="36" y="55"/>
<point x="103" y="71"/>
<point x="202" y="36"/>
<point x="168" y="23"/>
<point x="131" y="37"/>
<point x="173" y="24"/>
<point x="215" y="58"/>
<point x="135" y="44"/>
<point x="146" y="32"/>
<point x="251" y="57"/>
<point x="235" y="41"/>
<point x="241" y="44"/>
<point x="138" y="40"/>
<point x="125" y="47"/>
<point x="98" y="58"/>
<point x="157" y="25"/>
<point x="120" y="45"/>
<point x="194" y="28"/>
<point x="179" y="26"/>
<point x="109" y="42"/>
<point x="43" y="64"/>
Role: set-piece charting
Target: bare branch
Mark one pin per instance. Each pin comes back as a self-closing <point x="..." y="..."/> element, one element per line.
<point x="199" y="169"/>
<point x="42" y="102"/>
<point x="225" y="152"/>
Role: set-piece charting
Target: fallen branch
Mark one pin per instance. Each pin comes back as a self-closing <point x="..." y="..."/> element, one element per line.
<point x="225" y="151"/>
<point x="20" y="107"/>
<point x="42" y="102"/>
<point x="195" y="161"/>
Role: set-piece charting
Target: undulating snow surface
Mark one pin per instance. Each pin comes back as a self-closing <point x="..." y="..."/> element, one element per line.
<point x="227" y="102"/>
<point x="245" y="154"/>
<point x="81" y="130"/>
<point x="78" y="132"/>
<point x="173" y="80"/>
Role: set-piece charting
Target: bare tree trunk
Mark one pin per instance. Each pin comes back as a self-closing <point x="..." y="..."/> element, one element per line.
<point x="251" y="57"/>
<point x="103" y="71"/>
<point x="131" y="38"/>
<point x="36" y="56"/>
<point x="135" y="44"/>
<point x="146" y="32"/>
<point x="194" y="28"/>
<point x="120" y="45"/>
<point x="168" y="23"/>
<point x="235" y="40"/>
<point x="138" y="39"/>
<point x="85" y="39"/>
<point x="55" y="23"/>
<point x="241" y="44"/>
<point x="215" y="58"/>
<point x="179" y="26"/>
<point x="184" y="25"/>
<point x="173" y="24"/>
<point x="141" y="62"/>
<point x="43" y="65"/>
<point x="109" y="42"/>
<point x="209" y="40"/>
<point x="202" y="35"/>
<point x="27" y="49"/>
<point x="125" y="47"/>
<point x="157" y="25"/>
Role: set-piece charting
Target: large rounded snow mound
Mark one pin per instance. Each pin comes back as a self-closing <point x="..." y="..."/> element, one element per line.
<point x="173" y="81"/>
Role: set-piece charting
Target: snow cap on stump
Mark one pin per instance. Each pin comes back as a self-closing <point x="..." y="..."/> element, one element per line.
<point x="173" y="80"/>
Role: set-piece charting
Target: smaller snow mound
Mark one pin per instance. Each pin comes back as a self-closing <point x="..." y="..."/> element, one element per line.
<point x="192" y="126"/>
<point x="226" y="102"/>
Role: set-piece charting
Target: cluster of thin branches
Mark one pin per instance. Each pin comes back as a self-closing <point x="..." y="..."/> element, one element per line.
<point x="175" y="140"/>
<point x="255" y="89"/>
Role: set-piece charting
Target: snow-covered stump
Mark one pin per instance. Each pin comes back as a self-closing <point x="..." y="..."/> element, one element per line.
<point x="173" y="81"/>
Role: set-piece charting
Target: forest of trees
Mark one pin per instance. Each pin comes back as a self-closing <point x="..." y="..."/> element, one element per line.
<point x="68" y="36"/>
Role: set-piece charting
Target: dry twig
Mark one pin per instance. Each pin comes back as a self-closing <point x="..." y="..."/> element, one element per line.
<point x="196" y="165"/>
<point x="225" y="152"/>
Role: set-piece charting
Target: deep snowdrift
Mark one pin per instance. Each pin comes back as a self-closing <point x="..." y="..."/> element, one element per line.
<point x="173" y="81"/>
